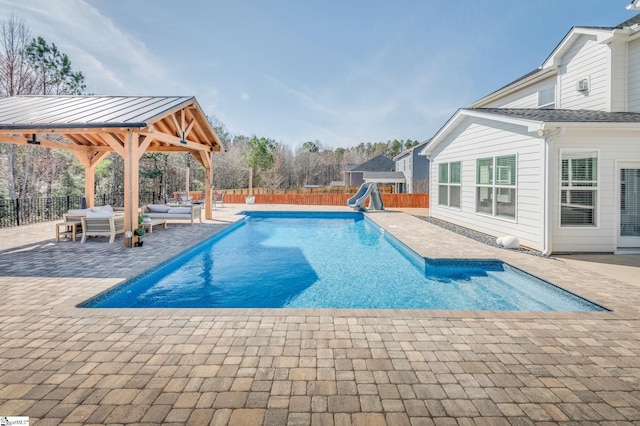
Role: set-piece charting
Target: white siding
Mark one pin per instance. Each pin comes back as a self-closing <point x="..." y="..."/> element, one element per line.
<point x="475" y="139"/>
<point x="524" y="98"/>
<point x="612" y="147"/>
<point x="633" y="92"/>
<point x="587" y="59"/>
<point x="618" y="76"/>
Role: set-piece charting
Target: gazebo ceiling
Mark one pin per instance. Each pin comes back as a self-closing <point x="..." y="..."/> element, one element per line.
<point x="101" y="123"/>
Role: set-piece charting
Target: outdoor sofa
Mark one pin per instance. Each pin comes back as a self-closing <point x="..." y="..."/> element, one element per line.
<point x="163" y="211"/>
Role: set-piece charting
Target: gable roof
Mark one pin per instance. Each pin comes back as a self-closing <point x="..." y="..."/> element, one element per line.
<point x="379" y="163"/>
<point x="533" y="119"/>
<point x="171" y="121"/>
<point x="549" y="65"/>
<point x="410" y="150"/>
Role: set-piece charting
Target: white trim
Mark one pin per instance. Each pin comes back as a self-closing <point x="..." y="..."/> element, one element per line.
<point x="554" y="58"/>
<point x="598" y="211"/>
<point x="518" y="85"/>
<point x="618" y="165"/>
<point x="531" y="125"/>
<point x="494" y="187"/>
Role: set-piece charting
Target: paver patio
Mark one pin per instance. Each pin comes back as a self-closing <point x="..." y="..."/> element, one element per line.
<point x="60" y="364"/>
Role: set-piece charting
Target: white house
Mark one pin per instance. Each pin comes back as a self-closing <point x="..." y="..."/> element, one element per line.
<point x="415" y="169"/>
<point x="552" y="158"/>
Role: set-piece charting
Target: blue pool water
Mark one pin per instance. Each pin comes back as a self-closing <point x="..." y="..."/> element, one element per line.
<point x="332" y="260"/>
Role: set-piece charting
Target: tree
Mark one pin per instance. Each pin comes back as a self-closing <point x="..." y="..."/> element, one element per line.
<point x="395" y="148"/>
<point x="310" y="146"/>
<point x="16" y="73"/>
<point x="53" y="69"/>
<point x="16" y="78"/>
<point x="28" y="67"/>
<point x="259" y="153"/>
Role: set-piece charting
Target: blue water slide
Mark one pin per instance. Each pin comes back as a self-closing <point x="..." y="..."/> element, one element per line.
<point x="365" y="191"/>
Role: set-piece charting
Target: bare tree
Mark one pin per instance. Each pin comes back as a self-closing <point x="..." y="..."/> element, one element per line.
<point x="16" y="78"/>
<point x="16" y="74"/>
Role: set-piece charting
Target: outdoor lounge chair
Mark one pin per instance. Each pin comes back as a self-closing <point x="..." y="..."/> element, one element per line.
<point x="102" y="227"/>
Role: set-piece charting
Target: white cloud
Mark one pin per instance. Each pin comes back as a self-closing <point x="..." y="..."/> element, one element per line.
<point x="112" y="60"/>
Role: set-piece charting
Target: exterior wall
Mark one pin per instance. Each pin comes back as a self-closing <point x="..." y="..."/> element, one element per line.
<point x="420" y="170"/>
<point x="473" y="139"/>
<point x="587" y="59"/>
<point x="416" y="171"/>
<point x="612" y="146"/>
<point x="619" y="76"/>
<point x="402" y="165"/>
<point x="354" y="179"/>
<point x="525" y="98"/>
<point x="633" y="90"/>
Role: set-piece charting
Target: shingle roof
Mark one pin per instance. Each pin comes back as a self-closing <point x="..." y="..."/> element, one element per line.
<point x="630" y="22"/>
<point x="383" y="175"/>
<point x="380" y="163"/>
<point x="35" y="112"/>
<point x="564" y="115"/>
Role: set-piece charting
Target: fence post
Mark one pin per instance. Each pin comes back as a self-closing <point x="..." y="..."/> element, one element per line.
<point x="16" y="208"/>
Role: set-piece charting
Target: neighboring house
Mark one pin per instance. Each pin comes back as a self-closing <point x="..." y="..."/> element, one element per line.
<point x="554" y="157"/>
<point x="415" y="169"/>
<point x="355" y="175"/>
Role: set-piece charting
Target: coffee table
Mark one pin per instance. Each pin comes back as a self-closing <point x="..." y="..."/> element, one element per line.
<point x="149" y="224"/>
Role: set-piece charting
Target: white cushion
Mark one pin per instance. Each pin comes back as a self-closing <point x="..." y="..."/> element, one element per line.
<point x="102" y="209"/>
<point x="179" y="210"/>
<point x="91" y="213"/>
<point x="78" y="211"/>
<point x="158" y="208"/>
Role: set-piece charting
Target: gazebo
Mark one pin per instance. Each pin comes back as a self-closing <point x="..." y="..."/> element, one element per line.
<point x="94" y="126"/>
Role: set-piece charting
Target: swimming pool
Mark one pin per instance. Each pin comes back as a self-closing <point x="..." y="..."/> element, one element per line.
<point x="330" y="260"/>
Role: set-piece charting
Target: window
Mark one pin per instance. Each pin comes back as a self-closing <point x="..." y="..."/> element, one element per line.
<point x="579" y="188"/>
<point x="449" y="184"/>
<point x="496" y="186"/>
<point x="547" y="98"/>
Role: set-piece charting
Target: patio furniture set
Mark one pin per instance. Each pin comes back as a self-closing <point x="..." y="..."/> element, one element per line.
<point x="106" y="221"/>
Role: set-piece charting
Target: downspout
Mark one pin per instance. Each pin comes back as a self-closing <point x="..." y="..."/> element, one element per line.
<point x="546" y="235"/>
<point x="549" y="136"/>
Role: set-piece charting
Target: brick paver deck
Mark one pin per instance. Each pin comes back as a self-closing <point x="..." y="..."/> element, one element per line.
<point x="60" y="364"/>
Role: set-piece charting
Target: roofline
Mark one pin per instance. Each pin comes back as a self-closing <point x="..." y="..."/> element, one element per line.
<point x="140" y="125"/>
<point x="410" y="150"/>
<point x="533" y="126"/>
<point x="602" y="35"/>
<point x="549" y="66"/>
<point x="462" y="113"/>
<point x="524" y="81"/>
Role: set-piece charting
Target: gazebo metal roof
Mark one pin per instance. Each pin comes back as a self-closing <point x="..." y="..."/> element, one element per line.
<point x="81" y="119"/>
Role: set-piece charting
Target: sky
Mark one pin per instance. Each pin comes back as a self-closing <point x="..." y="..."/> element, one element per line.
<point x="340" y="72"/>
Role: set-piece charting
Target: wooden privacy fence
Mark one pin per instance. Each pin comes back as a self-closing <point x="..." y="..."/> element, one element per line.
<point x="389" y="200"/>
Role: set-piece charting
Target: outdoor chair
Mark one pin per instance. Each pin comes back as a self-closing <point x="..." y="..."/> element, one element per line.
<point x="183" y="198"/>
<point x="218" y="197"/>
<point x="102" y="227"/>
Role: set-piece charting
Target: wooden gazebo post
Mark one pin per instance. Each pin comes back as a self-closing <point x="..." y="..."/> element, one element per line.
<point x="131" y="187"/>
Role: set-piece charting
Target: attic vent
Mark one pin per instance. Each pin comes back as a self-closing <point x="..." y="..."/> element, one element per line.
<point x="582" y="85"/>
